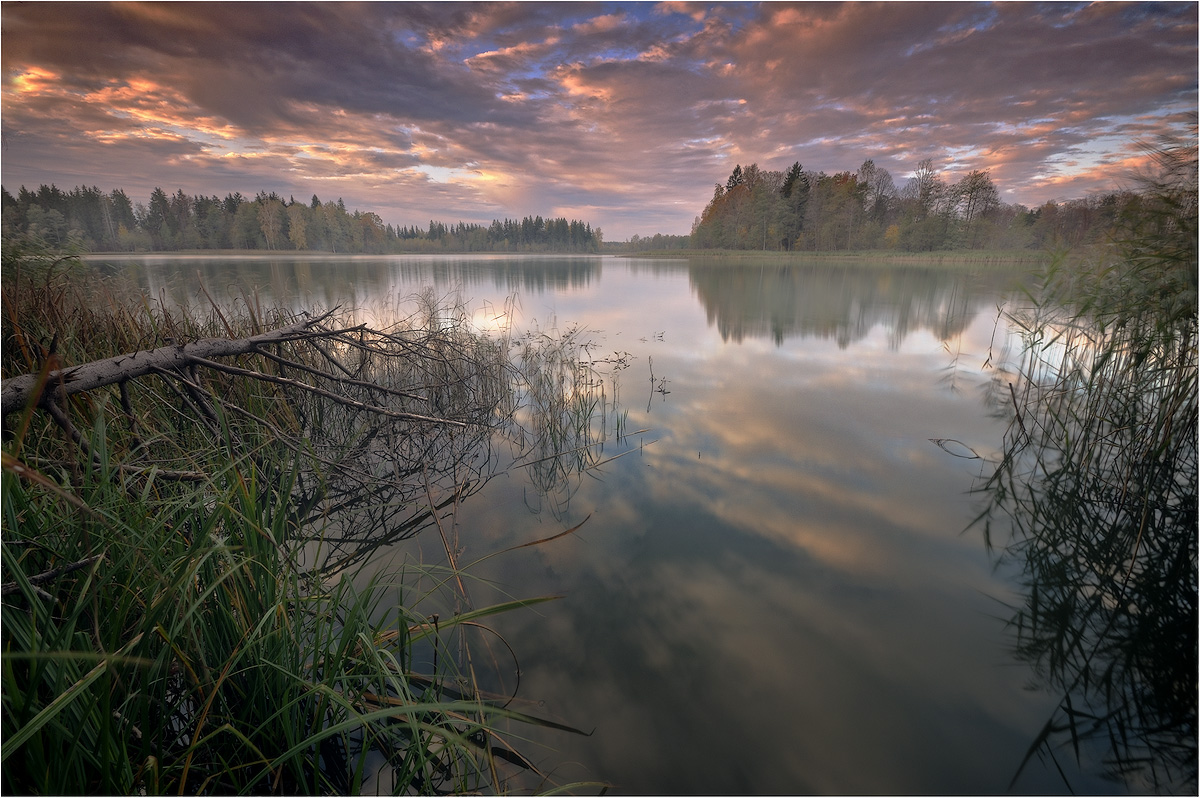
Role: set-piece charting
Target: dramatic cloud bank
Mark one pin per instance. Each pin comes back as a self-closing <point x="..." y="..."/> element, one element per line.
<point x="624" y="115"/>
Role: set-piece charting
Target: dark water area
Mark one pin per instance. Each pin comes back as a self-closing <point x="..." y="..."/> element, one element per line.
<point x="773" y="589"/>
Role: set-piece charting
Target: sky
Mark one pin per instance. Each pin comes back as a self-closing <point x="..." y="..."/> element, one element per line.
<point x="623" y="115"/>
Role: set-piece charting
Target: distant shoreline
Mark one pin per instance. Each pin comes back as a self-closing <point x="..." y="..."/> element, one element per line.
<point x="994" y="258"/>
<point x="947" y="257"/>
<point x="322" y="253"/>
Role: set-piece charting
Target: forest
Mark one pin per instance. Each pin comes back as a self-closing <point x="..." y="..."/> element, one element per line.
<point x="864" y="210"/>
<point x="754" y="209"/>
<point x="87" y="219"/>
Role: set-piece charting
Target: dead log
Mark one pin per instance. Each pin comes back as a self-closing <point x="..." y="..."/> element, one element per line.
<point x="17" y="392"/>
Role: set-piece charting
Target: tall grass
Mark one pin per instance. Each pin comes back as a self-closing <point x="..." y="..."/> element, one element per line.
<point x="186" y="607"/>
<point x="1098" y="488"/>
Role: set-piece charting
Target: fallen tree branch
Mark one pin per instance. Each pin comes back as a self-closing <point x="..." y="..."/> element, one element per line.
<point x="347" y="380"/>
<point x="17" y="392"/>
<point x="383" y="411"/>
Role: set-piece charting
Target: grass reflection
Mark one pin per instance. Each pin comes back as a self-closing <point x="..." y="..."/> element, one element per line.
<point x="1098" y="479"/>
<point x="566" y="407"/>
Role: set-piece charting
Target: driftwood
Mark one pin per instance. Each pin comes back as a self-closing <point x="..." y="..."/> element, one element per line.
<point x="17" y="392"/>
<point x="359" y="428"/>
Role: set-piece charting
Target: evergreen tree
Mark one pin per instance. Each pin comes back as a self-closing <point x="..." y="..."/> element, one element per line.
<point x="795" y="192"/>
<point x="155" y="222"/>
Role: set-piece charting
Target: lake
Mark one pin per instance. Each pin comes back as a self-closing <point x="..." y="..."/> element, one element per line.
<point x="773" y="589"/>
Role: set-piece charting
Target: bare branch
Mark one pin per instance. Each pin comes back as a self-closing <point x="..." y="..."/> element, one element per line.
<point x="383" y="411"/>
<point x="18" y="392"/>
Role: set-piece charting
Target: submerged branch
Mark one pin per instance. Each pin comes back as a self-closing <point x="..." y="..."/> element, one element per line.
<point x="258" y="375"/>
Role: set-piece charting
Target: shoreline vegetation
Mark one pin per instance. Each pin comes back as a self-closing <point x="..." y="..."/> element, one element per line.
<point x="86" y="219"/>
<point x="997" y="259"/>
<point x="1094" y="495"/>
<point x="187" y="606"/>
<point x="754" y="210"/>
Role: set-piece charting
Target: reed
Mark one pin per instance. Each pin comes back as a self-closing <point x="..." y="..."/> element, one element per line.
<point x="186" y="605"/>
<point x="568" y="413"/>
<point x="1097" y="492"/>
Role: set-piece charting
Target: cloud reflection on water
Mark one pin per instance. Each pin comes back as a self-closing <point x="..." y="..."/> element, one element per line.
<point x="775" y="595"/>
<point x="779" y="584"/>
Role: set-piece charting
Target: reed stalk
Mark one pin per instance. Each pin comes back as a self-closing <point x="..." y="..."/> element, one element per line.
<point x="1097" y="492"/>
<point x="187" y="606"/>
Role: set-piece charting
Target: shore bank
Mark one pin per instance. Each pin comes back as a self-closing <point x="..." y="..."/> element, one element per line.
<point x="883" y="257"/>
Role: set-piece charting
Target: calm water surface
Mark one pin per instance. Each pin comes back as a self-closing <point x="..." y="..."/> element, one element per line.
<point x="773" y="591"/>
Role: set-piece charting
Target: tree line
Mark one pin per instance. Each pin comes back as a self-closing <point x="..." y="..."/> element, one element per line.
<point x="91" y="220"/>
<point x="864" y="210"/>
<point x="655" y="243"/>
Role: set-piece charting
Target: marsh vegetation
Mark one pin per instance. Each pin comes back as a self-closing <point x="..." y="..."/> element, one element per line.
<point x="185" y="603"/>
<point x="1097" y="485"/>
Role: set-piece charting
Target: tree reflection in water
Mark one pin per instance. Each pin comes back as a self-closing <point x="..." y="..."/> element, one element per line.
<point x="1098" y="481"/>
